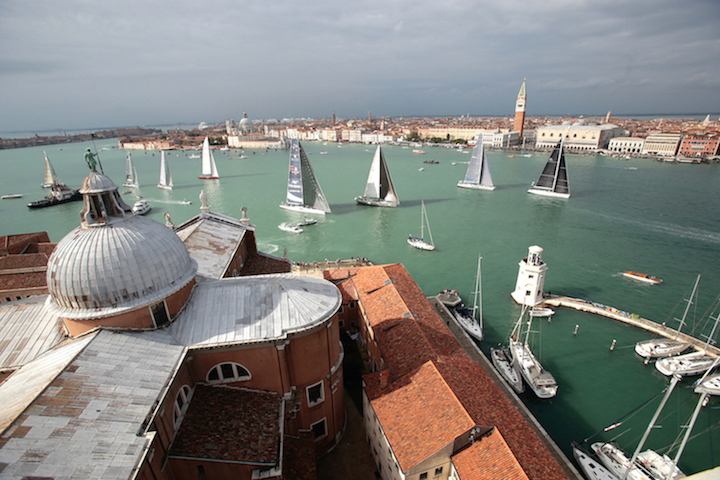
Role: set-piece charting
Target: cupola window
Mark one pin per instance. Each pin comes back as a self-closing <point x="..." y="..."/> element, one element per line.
<point x="228" y="372"/>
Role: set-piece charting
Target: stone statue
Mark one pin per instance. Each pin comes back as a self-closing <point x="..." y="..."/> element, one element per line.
<point x="90" y="158"/>
<point x="168" y="222"/>
<point x="203" y="199"/>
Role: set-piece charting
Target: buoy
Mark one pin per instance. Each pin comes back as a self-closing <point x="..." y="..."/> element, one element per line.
<point x="576" y="329"/>
<point x="612" y="347"/>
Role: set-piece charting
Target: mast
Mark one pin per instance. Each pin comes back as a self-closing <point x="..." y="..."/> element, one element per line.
<point x="689" y="302"/>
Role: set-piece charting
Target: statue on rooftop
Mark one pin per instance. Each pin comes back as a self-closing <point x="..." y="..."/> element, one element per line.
<point x="90" y="158"/>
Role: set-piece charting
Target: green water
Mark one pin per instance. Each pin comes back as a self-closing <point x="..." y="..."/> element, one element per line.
<point x="637" y="215"/>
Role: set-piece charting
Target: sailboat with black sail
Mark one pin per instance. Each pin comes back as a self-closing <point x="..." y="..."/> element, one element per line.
<point x="303" y="190"/>
<point x="131" y="178"/>
<point x="478" y="173"/>
<point x="166" y="182"/>
<point x="379" y="189"/>
<point x="553" y="181"/>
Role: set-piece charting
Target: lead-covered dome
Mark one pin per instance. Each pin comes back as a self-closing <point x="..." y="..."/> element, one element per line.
<point x="103" y="269"/>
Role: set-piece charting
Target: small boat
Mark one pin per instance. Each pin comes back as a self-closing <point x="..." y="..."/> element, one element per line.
<point x="593" y="469"/>
<point x="290" y="228"/>
<point x="194" y="155"/>
<point x="141" y="207"/>
<point x="506" y="367"/>
<point x="166" y="182"/>
<point x="432" y="162"/>
<point x="186" y="202"/>
<point x="541" y="312"/>
<point x="540" y="381"/>
<point x="303" y="190"/>
<point x="11" y="195"/>
<point x="643" y="277"/>
<point x="323" y="153"/>
<point x="208" y="169"/>
<point x="419" y="242"/>
<point x="131" y="178"/>
<point x="59" y="193"/>
<point x="50" y="175"/>
<point x="379" y="189"/>
<point x="553" y="181"/>
<point x="666" y="347"/>
<point x="306" y="222"/>
<point x="421" y="169"/>
<point x="449" y="298"/>
<point x="419" y="152"/>
<point x="478" y="173"/>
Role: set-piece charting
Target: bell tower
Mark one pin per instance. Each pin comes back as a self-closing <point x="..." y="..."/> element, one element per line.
<point x="520" y="110"/>
<point x="531" y="278"/>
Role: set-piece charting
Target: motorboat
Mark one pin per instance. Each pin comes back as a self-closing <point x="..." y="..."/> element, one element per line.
<point x="643" y="277"/>
<point x="141" y="207"/>
<point x="541" y="312"/>
<point x="290" y="228"/>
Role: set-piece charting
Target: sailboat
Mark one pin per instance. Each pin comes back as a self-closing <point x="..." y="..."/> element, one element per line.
<point x="665" y="347"/>
<point x="419" y="242"/>
<point x="165" y="175"/>
<point x="504" y="364"/>
<point x="303" y="190"/>
<point x="691" y="364"/>
<point x="467" y="317"/>
<point x="478" y="173"/>
<point x="553" y="181"/>
<point x="208" y="169"/>
<point x="379" y="190"/>
<point x="50" y="175"/>
<point x="131" y="178"/>
<point x="540" y="381"/>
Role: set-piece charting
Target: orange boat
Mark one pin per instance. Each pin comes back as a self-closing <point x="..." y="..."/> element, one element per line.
<point x="643" y="277"/>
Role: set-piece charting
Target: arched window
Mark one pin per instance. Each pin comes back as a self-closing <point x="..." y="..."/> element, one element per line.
<point x="228" y="372"/>
<point x="180" y="406"/>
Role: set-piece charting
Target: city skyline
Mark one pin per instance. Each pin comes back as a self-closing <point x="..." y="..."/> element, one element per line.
<point x="68" y="66"/>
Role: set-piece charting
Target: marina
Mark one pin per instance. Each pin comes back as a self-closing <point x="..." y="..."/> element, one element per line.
<point x="588" y="241"/>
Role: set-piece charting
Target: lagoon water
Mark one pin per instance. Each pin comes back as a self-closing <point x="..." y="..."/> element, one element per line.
<point x="642" y="215"/>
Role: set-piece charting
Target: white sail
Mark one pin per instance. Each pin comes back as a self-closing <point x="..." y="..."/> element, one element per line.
<point x="165" y="175"/>
<point x="553" y="181"/>
<point x="379" y="189"/>
<point x="208" y="169"/>
<point x="303" y="191"/>
<point x="130" y="173"/>
<point x="478" y="172"/>
<point x="419" y="242"/>
<point x="50" y="175"/>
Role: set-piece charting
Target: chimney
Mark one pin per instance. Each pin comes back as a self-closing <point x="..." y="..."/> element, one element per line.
<point x="384" y="379"/>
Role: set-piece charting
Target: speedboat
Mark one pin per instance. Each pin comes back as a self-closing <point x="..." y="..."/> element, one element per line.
<point x="643" y="277"/>
<point x="541" y="312"/>
<point x="141" y="207"/>
<point x="290" y="228"/>
<point x="306" y="222"/>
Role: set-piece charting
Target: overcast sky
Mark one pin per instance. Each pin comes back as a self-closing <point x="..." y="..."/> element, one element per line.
<point x="68" y="64"/>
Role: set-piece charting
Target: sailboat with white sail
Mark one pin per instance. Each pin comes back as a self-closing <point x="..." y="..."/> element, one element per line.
<point x="50" y="175"/>
<point x="303" y="190"/>
<point x="478" y="173"/>
<point x="553" y="181"/>
<point x="379" y="189"/>
<point x="468" y="318"/>
<point x="166" y="182"/>
<point x="540" y="381"/>
<point x="131" y="178"/>
<point x="208" y="169"/>
<point x="666" y="347"/>
<point x="419" y="242"/>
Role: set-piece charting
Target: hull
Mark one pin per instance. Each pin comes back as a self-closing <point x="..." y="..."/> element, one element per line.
<point x="449" y="298"/>
<point x="711" y="385"/>
<point x="141" y="208"/>
<point x="290" y="228"/>
<point x="376" y="202"/>
<point x="474" y="186"/>
<point x="660" y="348"/>
<point x="548" y="193"/>
<point x="542" y="312"/>
<point x="207" y="177"/>
<point x="642" y="277"/>
<point x="50" y="201"/>
<point x="301" y="209"/>
<point x="420" y="244"/>
<point x="540" y="381"/>
<point x="687" y="365"/>
<point x="592" y="469"/>
<point x="12" y="195"/>
<point x="504" y="364"/>
<point x="468" y="324"/>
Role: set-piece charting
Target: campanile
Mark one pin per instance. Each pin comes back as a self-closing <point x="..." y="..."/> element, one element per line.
<point x="520" y="110"/>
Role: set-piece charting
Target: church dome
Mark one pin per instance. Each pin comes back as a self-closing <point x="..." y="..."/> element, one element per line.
<point x="103" y="269"/>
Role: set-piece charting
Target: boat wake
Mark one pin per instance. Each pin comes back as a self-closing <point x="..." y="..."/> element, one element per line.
<point x="679" y="231"/>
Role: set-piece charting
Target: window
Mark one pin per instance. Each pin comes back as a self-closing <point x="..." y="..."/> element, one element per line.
<point x="319" y="429"/>
<point x="351" y="304"/>
<point x="423" y="476"/>
<point x="181" y="400"/>
<point x="438" y="471"/>
<point x="159" y="313"/>
<point x="228" y="372"/>
<point x="315" y="394"/>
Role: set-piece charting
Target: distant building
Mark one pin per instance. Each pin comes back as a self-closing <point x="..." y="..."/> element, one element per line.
<point x="579" y="136"/>
<point x="626" y="145"/>
<point x="520" y="110"/>
<point x="662" y="144"/>
<point x="23" y="263"/>
<point x="699" y="146"/>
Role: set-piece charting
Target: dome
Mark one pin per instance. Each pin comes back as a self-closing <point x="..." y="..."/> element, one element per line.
<point x="115" y="268"/>
<point x="96" y="183"/>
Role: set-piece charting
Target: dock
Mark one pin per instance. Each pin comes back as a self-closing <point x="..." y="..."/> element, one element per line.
<point x="628" y="318"/>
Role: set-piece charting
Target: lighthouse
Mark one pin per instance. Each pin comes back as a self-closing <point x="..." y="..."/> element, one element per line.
<point x="531" y="278"/>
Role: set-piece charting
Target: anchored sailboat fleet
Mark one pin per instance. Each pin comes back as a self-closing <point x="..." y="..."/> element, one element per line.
<point x="379" y="190"/>
<point x="303" y="190"/>
<point x="478" y="173"/>
<point x="419" y="242"/>
<point x="553" y="181"/>
<point x="166" y="182"/>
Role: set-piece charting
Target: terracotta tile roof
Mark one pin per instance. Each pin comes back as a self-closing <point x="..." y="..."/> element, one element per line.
<point x="419" y="414"/>
<point x="13" y="244"/>
<point x="488" y="458"/>
<point x="261" y="264"/>
<point x="343" y="282"/>
<point x="26" y="260"/>
<point x="230" y="424"/>
<point x="299" y="459"/>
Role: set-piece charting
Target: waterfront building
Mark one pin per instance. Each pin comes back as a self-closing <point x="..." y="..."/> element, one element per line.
<point x="430" y="411"/>
<point x="255" y="141"/>
<point x="662" y="144"/>
<point x="626" y="145"/>
<point x="699" y="146"/>
<point x="159" y="355"/>
<point x="578" y="136"/>
<point x="353" y="135"/>
<point x="144" y="145"/>
<point x="520" y="110"/>
<point x="531" y="278"/>
<point x="23" y="263"/>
